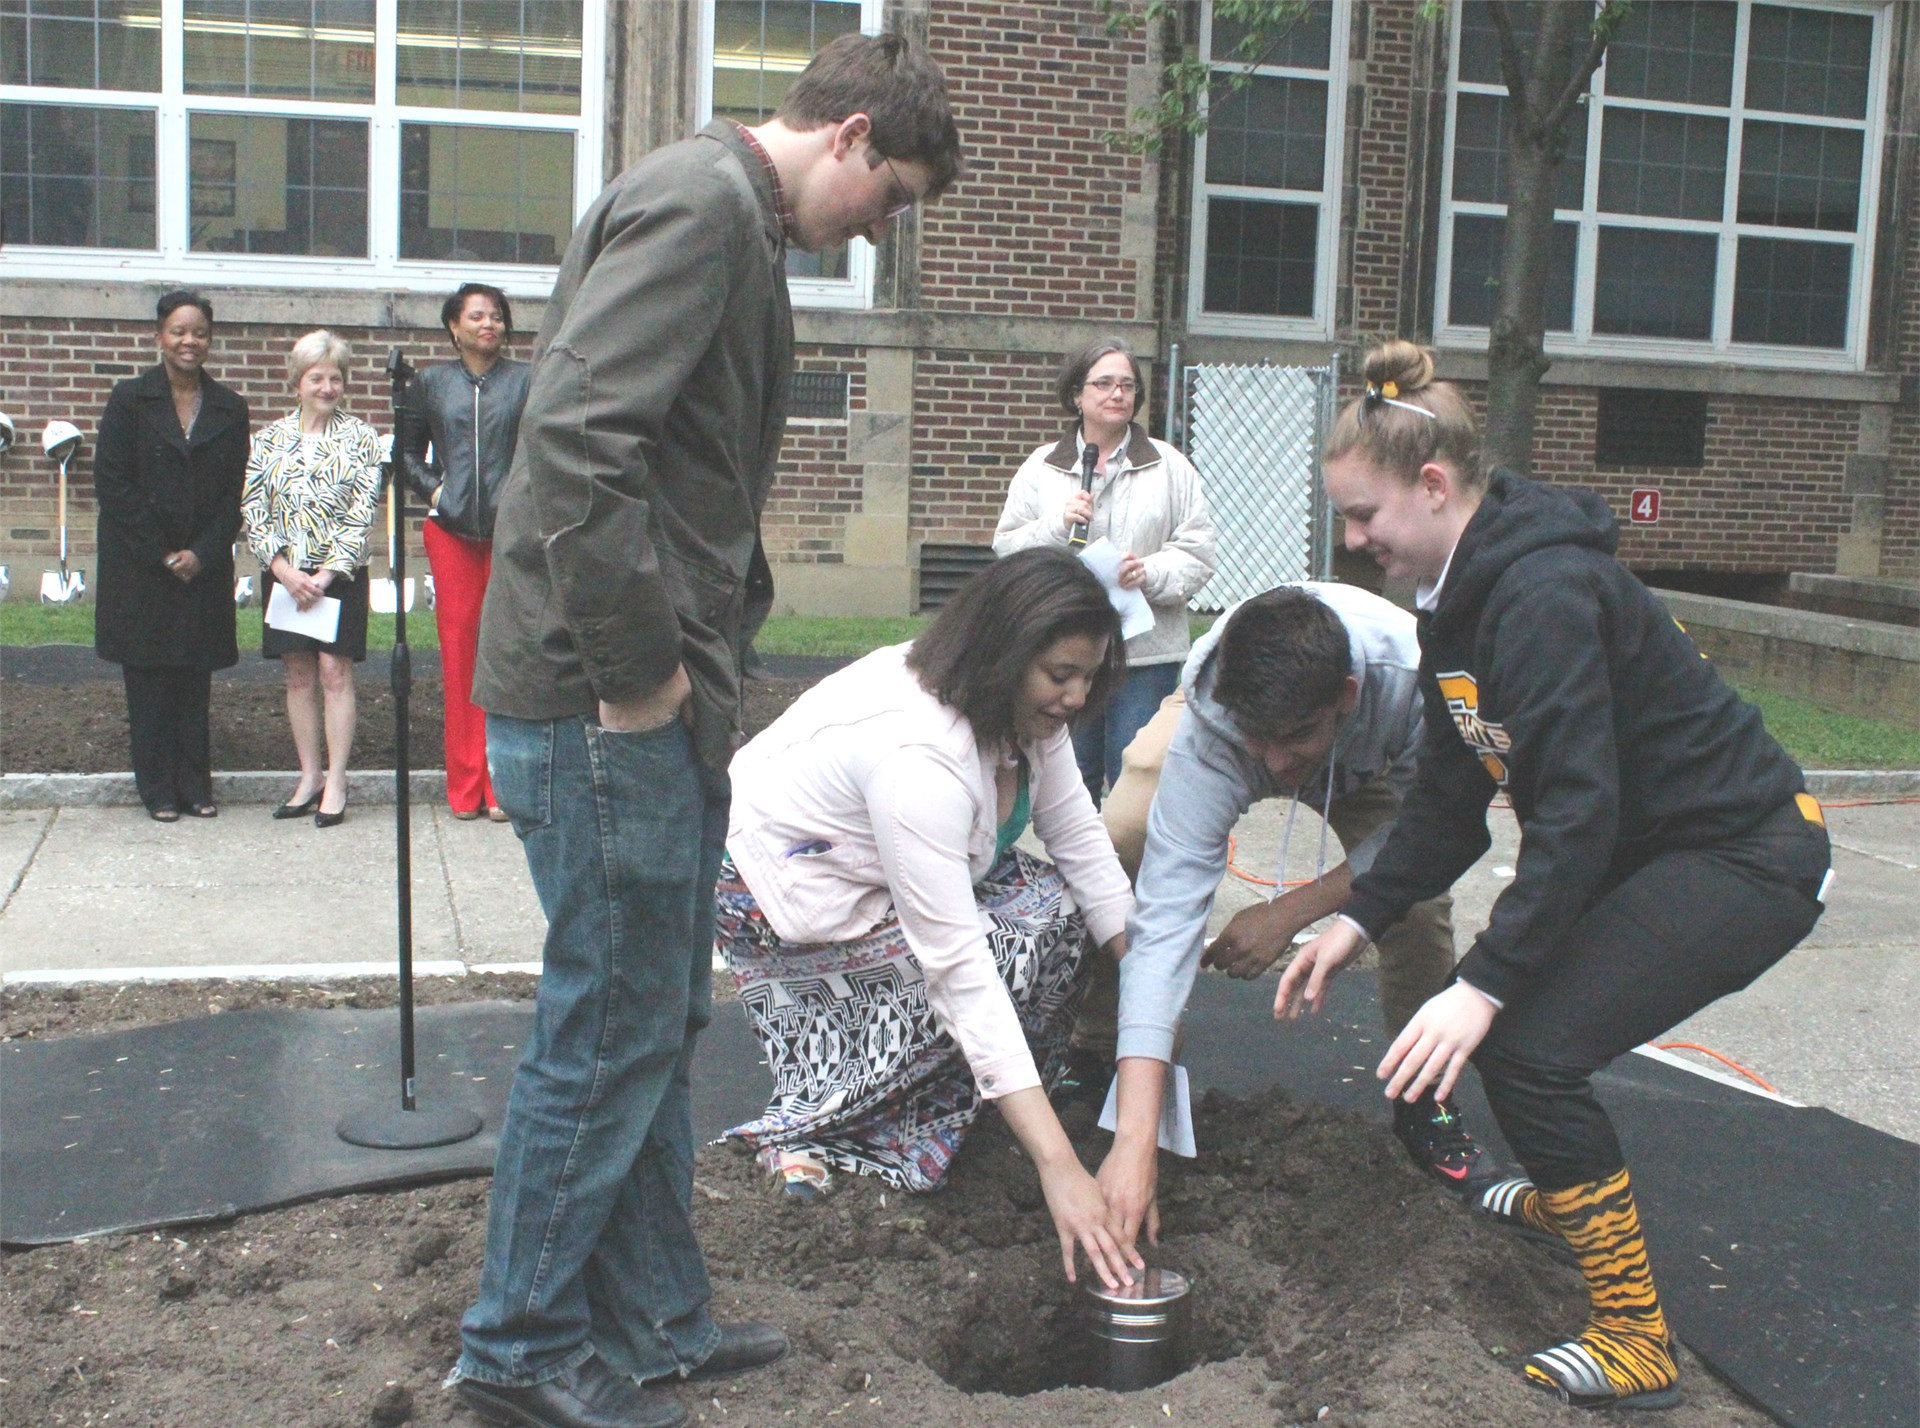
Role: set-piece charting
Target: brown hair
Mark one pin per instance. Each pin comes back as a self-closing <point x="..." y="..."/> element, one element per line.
<point x="1379" y="423"/>
<point x="1283" y="658"/>
<point x="893" y="83"/>
<point x="1074" y="369"/>
<point x="975" y="654"/>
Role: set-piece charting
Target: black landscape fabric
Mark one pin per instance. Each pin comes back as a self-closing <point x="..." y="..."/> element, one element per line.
<point x="1786" y="1240"/>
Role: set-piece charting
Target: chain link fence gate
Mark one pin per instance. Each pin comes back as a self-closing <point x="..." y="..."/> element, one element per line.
<point x="1255" y="433"/>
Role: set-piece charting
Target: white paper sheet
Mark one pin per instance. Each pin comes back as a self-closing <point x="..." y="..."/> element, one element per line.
<point x="1103" y="558"/>
<point x="321" y="622"/>
<point x="1176" y="1114"/>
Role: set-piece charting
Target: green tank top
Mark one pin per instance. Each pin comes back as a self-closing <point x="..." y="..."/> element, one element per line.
<point x="1016" y="821"/>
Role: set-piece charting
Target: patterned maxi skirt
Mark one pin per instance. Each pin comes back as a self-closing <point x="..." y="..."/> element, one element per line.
<point x="863" y="1077"/>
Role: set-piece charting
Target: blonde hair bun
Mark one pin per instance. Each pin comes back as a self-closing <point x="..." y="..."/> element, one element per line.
<point x="1406" y="364"/>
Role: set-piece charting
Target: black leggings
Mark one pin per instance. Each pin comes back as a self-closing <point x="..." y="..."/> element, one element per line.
<point x="1664" y="938"/>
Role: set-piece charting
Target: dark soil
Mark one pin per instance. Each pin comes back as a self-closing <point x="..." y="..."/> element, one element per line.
<point x="1333" y="1286"/>
<point x="67" y="714"/>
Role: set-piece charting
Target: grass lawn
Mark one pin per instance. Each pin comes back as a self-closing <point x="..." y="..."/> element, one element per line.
<point x="1821" y="739"/>
<point x="1816" y="737"/>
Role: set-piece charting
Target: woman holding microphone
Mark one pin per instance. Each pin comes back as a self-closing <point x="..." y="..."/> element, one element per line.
<point x="1146" y="499"/>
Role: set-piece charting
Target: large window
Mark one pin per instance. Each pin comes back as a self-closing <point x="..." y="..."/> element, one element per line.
<point x="1718" y="194"/>
<point x="1267" y="176"/>
<point x="393" y="142"/>
<point x="750" y="52"/>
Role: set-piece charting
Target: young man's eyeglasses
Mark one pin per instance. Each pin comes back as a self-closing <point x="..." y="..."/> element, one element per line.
<point x="1126" y="386"/>
<point x="900" y="198"/>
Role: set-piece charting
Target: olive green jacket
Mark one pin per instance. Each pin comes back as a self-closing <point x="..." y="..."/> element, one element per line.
<point x="627" y="540"/>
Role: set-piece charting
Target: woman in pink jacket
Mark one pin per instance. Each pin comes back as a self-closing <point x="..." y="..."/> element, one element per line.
<point x="902" y="960"/>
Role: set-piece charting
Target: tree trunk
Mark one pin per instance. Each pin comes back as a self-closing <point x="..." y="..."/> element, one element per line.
<point x="1536" y="143"/>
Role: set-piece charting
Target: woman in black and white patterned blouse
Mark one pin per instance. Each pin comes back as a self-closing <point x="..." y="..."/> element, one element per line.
<point x="312" y="488"/>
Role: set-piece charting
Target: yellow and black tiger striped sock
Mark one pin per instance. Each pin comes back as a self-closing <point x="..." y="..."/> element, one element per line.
<point x="1622" y="1358"/>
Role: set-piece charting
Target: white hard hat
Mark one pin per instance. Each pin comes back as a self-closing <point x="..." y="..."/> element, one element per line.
<point x="59" y="438"/>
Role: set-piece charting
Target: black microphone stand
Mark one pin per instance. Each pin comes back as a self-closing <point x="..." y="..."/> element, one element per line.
<point x="1089" y="455"/>
<point x="409" y="1127"/>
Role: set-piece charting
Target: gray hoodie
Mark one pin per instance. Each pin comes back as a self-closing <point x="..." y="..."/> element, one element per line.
<point x="1210" y="779"/>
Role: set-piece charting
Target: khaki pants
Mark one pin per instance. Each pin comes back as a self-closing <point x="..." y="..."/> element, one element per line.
<point x="1416" y="954"/>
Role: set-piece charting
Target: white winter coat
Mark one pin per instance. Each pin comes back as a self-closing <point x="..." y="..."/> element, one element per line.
<point x="1152" y="506"/>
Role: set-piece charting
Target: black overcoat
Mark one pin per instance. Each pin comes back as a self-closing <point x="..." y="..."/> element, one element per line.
<point x="159" y="492"/>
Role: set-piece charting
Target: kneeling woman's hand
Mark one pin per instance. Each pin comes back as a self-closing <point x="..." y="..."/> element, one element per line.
<point x="1079" y="1210"/>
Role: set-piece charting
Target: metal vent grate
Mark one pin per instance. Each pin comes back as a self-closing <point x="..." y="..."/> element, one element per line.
<point x="1640" y="427"/>
<point x="945" y="568"/>
<point x="819" y="395"/>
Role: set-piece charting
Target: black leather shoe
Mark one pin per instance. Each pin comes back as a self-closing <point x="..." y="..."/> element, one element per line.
<point x="743" y="1347"/>
<point x="297" y="810"/>
<point x="589" y="1395"/>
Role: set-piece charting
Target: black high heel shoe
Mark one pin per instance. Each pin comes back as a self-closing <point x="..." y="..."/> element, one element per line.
<point x="297" y="810"/>
<point x="330" y="820"/>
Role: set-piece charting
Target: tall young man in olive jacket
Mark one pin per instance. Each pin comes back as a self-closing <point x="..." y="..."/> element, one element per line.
<point x="627" y="579"/>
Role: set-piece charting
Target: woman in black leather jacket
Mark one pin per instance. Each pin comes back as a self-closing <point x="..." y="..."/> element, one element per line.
<point x="457" y="438"/>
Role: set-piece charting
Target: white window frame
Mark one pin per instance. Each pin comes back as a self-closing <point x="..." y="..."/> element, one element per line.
<point x="383" y="269"/>
<point x="1326" y="266"/>
<point x="1720" y="347"/>
<point x="855" y="291"/>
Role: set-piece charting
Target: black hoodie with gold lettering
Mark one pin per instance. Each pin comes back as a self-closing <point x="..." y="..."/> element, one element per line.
<point x="1549" y="673"/>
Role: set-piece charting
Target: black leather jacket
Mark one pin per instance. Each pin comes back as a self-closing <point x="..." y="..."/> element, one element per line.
<point x="472" y="424"/>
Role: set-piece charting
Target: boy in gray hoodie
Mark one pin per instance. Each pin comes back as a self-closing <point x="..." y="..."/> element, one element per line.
<point x="1308" y="692"/>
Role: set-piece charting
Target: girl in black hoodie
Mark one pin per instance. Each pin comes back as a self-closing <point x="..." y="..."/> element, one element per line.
<point x="1669" y="851"/>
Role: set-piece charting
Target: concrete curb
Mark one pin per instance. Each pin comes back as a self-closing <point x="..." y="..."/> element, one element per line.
<point x="374" y="787"/>
<point x="367" y="788"/>
<point x="1863" y="783"/>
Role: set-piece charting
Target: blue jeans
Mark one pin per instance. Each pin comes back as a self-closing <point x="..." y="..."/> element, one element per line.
<point x="1099" y="742"/>
<point x="590" y="1243"/>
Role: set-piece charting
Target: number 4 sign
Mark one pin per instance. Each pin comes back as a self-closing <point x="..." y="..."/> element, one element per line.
<point x="1645" y="508"/>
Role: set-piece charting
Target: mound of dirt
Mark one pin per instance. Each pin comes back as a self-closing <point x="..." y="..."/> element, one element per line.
<point x="1332" y="1286"/>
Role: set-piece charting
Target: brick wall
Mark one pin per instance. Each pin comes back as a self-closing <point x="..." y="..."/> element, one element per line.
<point x="1900" y="533"/>
<point x="64" y="368"/>
<point x="981" y="414"/>
<point x="1378" y="187"/>
<point x="818" y="487"/>
<point x="1769" y="497"/>
<point x="1034" y="229"/>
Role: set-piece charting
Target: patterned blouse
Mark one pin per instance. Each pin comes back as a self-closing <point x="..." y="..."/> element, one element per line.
<point x="312" y="502"/>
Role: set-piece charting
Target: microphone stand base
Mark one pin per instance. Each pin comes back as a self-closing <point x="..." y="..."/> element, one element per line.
<point x="392" y="1128"/>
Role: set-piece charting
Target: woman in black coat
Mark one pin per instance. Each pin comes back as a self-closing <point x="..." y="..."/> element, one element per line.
<point x="167" y="473"/>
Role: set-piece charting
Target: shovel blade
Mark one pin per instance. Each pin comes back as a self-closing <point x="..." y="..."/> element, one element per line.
<point x="381" y="598"/>
<point x="60" y="587"/>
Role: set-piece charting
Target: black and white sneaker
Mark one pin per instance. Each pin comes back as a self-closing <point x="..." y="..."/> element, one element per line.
<point x="1437" y="1139"/>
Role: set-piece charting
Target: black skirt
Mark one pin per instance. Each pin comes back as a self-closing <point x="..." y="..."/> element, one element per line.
<point x="349" y="641"/>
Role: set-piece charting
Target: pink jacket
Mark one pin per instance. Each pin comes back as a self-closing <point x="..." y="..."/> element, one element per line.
<point x="870" y="798"/>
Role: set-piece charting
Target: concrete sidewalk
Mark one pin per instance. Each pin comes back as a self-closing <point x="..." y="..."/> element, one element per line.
<point x="104" y="893"/>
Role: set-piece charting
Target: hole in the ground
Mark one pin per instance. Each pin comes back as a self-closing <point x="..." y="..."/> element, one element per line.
<point x="1023" y="1335"/>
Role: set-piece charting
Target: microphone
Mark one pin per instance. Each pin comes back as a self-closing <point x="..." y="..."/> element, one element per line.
<point x="1077" y="537"/>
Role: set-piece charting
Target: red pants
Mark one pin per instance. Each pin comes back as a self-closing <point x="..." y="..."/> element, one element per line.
<point x="460" y="568"/>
